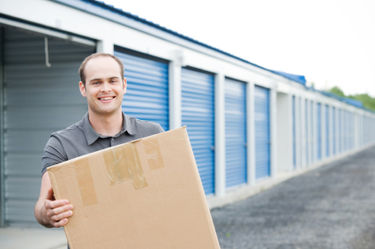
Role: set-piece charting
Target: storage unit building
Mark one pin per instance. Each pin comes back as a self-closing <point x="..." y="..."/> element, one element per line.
<point x="239" y="134"/>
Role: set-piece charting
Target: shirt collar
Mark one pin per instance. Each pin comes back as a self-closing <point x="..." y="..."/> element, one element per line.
<point x="91" y="135"/>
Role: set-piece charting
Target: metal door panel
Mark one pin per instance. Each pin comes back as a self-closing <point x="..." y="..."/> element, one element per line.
<point x="198" y="115"/>
<point x="235" y="133"/>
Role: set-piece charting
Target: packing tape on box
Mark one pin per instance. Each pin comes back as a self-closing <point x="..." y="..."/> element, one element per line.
<point x="86" y="183"/>
<point x="123" y="163"/>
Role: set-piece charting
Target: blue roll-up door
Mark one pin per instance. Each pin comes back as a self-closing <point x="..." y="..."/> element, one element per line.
<point x="262" y="132"/>
<point x="319" y="131"/>
<point x="294" y="131"/>
<point x="334" y="130"/>
<point x="197" y="109"/>
<point x="235" y="133"/>
<point x="147" y="91"/>
<point x="327" y="130"/>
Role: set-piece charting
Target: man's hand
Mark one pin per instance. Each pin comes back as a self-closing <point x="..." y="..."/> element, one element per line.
<point x="48" y="211"/>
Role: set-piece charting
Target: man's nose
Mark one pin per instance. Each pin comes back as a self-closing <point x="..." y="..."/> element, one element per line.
<point x="105" y="87"/>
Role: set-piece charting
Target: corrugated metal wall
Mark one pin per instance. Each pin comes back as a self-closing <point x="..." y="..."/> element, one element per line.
<point x="262" y="132"/>
<point x="198" y="115"/>
<point x="147" y="89"/>
<point x="235" y="133"/>
<point x="38" y="100"/>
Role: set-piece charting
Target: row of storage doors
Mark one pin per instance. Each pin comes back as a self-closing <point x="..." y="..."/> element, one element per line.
<point x="147" y="98"/>
<point x="34" y="93"/>
<point x="337" y="126"/>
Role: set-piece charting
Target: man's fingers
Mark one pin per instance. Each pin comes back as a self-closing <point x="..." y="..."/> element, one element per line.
<point x="55" y="204"/>
<point x="58" y="212"/>
<point x="62" y="209"/>
<point x="61" y="216"/>
<point x="61" y="223"/>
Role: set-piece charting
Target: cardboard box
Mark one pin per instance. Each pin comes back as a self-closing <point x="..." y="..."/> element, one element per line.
<point x="145" y="194"/>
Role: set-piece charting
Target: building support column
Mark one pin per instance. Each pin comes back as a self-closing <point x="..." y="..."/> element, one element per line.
<point x="315" y="132"/>
<point x="105" y="46"/>
<point x="290" y="132"/>
<point x="219" y="134"/>
<point x="273" y="131"/>
<point x="174" y="95"/>
<point x="298" y="127"/>
<point x="250" y="87"/>
<point x="323" y="130"/>
<point x="303" y="132"/>
<point x="308" y="130"/>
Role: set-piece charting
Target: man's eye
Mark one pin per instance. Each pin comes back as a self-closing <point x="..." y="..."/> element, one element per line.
<point x="96" y="82"/>
<point x="113" y="80"/>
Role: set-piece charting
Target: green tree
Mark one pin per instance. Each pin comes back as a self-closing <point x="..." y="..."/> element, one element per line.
<point x="367" y="101"/>
<point x="337" y="91"/>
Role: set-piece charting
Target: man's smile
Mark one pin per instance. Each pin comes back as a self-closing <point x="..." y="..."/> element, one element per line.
<point x="106" y="98"/>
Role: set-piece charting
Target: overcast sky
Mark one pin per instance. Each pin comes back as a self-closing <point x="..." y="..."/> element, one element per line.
<point x="331" y="42"/>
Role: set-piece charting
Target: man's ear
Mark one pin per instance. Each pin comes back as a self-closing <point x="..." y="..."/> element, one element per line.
<point x="124" y="85"/>
<point x="82" y="89"/>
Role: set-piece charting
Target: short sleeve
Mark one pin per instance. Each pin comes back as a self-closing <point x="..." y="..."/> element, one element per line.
<point x="53" y="153"/>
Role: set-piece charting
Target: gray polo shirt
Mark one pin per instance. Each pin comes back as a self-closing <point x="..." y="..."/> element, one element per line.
<point x="80" y="139"/>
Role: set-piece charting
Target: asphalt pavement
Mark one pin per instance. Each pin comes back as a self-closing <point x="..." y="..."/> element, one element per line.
<point x="331" y="207"/>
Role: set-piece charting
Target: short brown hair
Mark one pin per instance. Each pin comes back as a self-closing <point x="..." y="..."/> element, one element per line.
<point x="84" y="62"/>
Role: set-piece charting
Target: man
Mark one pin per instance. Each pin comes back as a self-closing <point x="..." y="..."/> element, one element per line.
<point x="103" y="85"/>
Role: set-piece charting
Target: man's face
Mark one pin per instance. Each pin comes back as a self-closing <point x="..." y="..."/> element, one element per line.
<point x="104" y="87"/>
